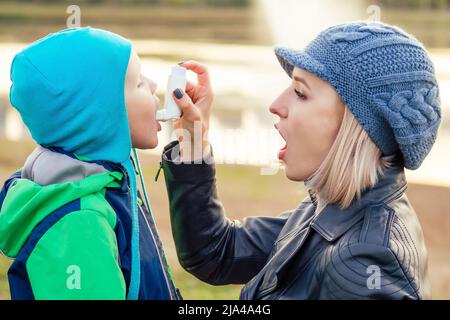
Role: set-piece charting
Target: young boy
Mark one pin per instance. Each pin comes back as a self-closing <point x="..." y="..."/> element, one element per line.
<point x="71" y="217"/>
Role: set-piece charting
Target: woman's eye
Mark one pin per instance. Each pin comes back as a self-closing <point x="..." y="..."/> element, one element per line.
<point x="300" y="94"/>
<point x="140" y="84"/>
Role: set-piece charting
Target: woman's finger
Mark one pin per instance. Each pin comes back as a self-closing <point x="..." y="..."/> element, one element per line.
<point x="185" y="104"/>
<point x="200" y="69"/>
<point x="190" y="87"/>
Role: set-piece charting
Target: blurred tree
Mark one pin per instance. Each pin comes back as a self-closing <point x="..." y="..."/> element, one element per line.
<point x="153" y="2"/>
<point x="426" y="4"/>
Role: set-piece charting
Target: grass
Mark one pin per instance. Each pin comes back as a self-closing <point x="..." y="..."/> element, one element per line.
<point x="192" y="289"/>
<point x="4" y="288"/>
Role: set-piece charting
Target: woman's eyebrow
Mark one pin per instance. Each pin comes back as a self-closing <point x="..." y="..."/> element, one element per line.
<point x="302" y="81"/>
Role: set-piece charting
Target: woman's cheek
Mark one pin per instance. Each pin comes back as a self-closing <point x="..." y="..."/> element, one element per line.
<point x="299" y="122"/>
<point x="304" y="132"/>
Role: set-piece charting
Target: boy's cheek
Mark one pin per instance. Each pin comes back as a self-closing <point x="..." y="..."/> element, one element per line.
<point x="148" y="105"/>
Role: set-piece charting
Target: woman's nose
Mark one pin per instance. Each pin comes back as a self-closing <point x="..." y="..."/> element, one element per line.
<point x="273" y="108"/>
<point x="278" y="109"/>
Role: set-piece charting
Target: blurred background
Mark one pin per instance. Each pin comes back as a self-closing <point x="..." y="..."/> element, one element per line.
<point x="235" y="38"/>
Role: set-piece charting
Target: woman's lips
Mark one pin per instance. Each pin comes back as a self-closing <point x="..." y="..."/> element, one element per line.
<point x="282" y="152"/>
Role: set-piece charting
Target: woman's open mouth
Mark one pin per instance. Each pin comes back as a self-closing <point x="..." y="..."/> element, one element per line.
<point x="282" y="152"/>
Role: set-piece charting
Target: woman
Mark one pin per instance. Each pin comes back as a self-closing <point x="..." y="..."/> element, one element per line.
<point x="362" y="106"/>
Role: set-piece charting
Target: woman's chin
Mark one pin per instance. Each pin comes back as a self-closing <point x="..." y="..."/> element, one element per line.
<point x="287" y="172"/>
<point x="293" y="176"/>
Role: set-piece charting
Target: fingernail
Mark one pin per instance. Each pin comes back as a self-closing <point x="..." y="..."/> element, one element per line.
<point x="178" y="94"/>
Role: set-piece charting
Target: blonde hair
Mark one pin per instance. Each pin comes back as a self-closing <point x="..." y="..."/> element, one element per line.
<point x="352" y="165"/>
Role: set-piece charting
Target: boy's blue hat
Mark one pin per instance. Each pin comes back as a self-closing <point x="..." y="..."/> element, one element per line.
<point x="69" y="90"/>
<point x="386" y="79"/>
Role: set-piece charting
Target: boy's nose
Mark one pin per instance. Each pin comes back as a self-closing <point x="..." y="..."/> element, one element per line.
<point x="153" y="88"/>
<point x="153" y="85"/>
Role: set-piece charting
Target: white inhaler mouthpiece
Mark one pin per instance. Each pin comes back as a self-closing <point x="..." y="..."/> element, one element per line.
<point x="177" y="79"/>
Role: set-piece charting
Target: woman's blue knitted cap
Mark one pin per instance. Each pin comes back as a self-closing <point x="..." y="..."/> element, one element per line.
<point x="384" y="76"/>
<point x="69" y="90"/>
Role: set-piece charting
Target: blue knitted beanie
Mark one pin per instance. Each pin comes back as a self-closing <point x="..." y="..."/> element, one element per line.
<point x="386" y="79"/>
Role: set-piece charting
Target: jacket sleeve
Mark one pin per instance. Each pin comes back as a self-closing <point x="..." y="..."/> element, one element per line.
<point x="209" y="245"/>
<point x="365" y="271"/>
<point x="77" y="258"/>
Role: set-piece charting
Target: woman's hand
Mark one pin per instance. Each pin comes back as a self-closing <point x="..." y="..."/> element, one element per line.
<point x="195" y="105"/>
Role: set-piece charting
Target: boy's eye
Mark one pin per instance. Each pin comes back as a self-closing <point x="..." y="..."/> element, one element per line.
<point x="300" y="94"/>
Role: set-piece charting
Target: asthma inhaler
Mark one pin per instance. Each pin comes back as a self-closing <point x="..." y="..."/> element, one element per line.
<point x="177" y="79"/>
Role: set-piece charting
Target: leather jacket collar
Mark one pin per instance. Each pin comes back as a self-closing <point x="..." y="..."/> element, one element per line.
<point x="333" y="221"/>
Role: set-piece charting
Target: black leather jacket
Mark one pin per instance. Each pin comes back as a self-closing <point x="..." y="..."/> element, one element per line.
<point x="372" y="250"/>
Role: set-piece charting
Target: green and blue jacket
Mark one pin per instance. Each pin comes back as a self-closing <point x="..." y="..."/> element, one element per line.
<point x="67" y="225"/>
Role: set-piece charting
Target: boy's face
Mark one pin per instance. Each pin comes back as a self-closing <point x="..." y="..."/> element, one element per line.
<point x="141" y="103"/>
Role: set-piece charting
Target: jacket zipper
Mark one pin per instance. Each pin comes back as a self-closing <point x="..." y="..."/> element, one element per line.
<point x="159" y="171"/>
<point x="177" y="291"/>
<point x="154" y="242"/>
<point x="164" y="265"/>
<point x="166" y="277"/>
